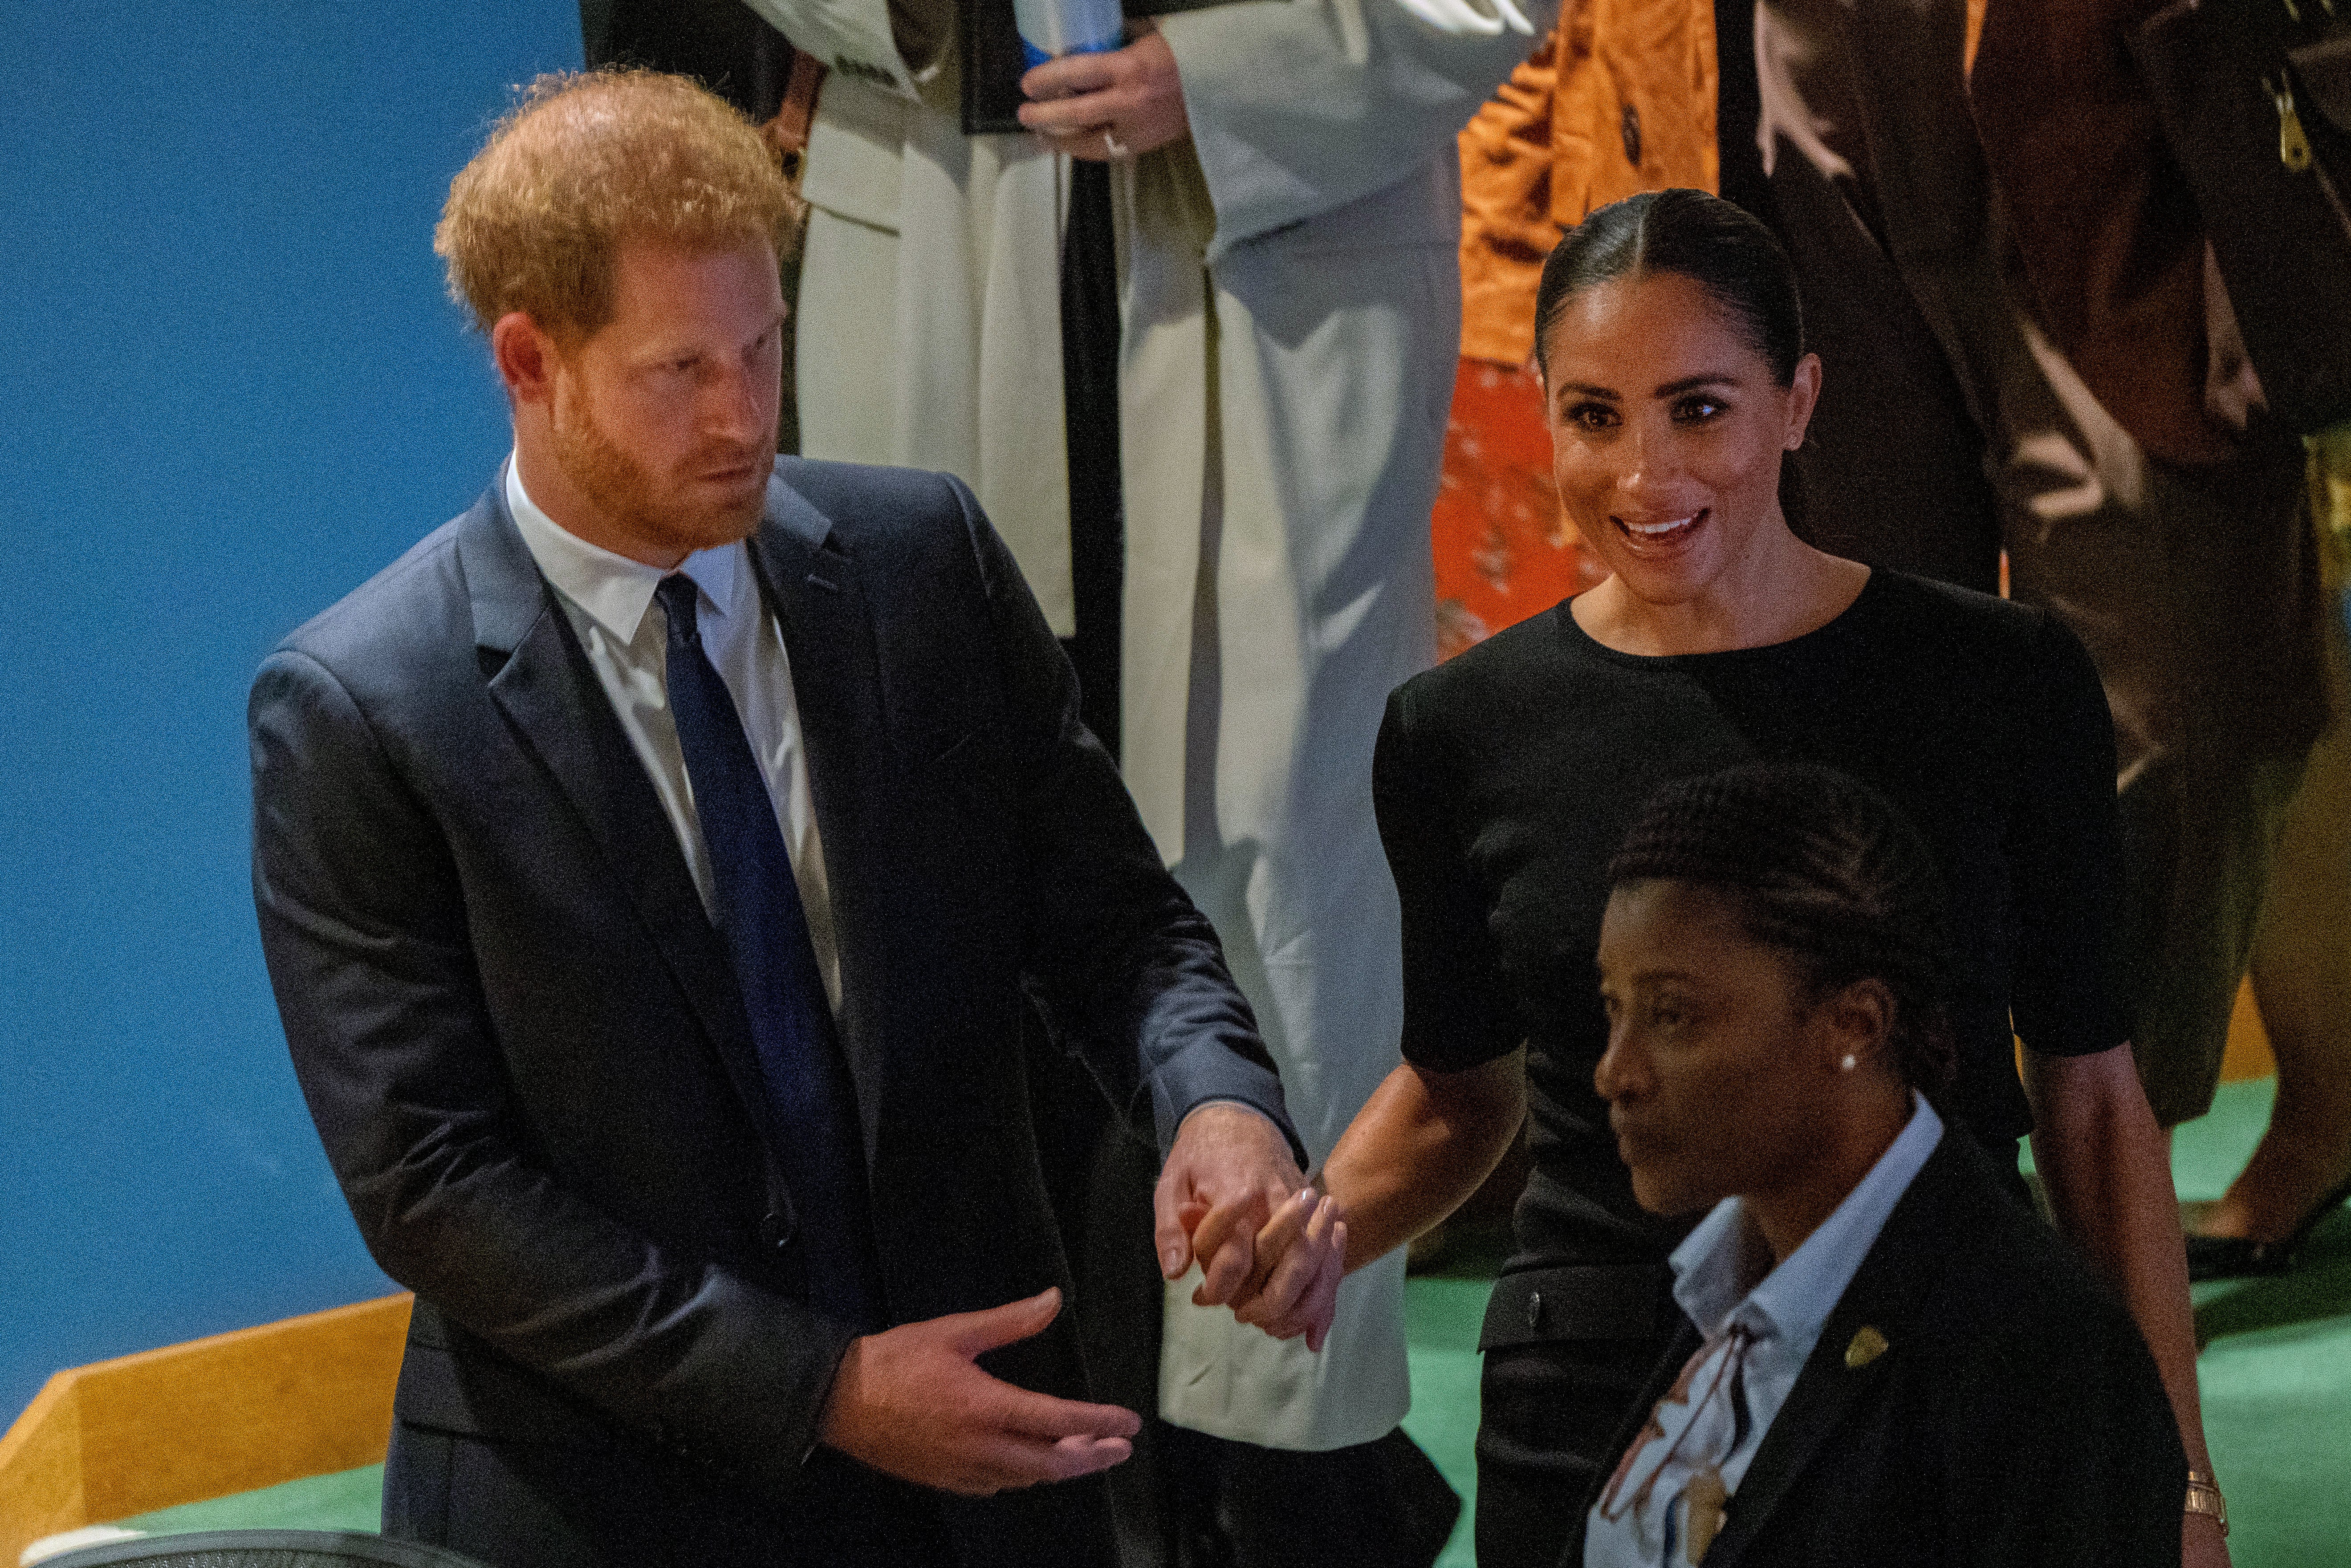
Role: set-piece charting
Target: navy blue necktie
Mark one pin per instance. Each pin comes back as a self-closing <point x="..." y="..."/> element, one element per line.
<point x="756" y="905"/>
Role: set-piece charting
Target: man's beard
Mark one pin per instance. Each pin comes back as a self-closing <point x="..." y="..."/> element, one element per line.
<point x="628" y="492"/>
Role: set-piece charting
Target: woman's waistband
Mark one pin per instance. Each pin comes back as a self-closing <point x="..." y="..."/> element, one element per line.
<point x="1580" y="1301"/>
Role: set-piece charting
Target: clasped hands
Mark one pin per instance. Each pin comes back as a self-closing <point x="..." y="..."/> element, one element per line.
<point x="912" y="1402"/>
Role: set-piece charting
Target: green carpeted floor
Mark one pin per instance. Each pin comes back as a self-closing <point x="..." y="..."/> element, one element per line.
<point x="352" y="1500"/>
<point x="2276" y="1373"/>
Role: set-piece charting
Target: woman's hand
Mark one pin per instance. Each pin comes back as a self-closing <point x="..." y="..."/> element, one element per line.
<point x="1120" y="103"/>
<point x="1301" y="1255"/>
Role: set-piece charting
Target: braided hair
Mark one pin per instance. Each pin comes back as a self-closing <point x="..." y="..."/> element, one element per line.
<point x="1820" y="866"/>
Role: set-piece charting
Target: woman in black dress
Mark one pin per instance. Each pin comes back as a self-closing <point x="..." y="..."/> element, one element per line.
<point x="1671" y="344"/>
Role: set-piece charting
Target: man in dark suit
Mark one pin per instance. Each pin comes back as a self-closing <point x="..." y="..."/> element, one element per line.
<point x="656" y="980"/>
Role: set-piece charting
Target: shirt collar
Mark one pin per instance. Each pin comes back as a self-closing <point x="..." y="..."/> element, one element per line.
<point x="1723" y="1268"/>
<point x="612" y="590"/>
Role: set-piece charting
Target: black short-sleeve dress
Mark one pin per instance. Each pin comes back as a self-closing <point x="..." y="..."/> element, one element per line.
<point x="1504" y="780"/>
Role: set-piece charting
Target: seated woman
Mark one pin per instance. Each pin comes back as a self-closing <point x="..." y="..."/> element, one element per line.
<point x="1894" y="1362"/>
<point x="1676" y="378"/>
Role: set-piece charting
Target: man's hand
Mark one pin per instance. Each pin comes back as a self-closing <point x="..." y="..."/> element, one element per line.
<point x="1116" y="104"/>
<point x="1226" y="1178"/>
<point x="910" y="1402"/>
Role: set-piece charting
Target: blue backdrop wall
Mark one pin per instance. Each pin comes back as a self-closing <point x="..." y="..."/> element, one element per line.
<point x="230" y="389"/>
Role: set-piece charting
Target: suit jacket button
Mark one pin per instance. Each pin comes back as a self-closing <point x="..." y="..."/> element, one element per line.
<point x="775" y="1229"/>
<point x="1534" y="1312"/>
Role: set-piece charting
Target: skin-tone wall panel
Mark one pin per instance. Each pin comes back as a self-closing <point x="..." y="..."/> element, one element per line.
<point x="304" y="1397"/>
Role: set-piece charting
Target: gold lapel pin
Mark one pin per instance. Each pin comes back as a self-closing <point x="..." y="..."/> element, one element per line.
<point x="1867" y="1345"/>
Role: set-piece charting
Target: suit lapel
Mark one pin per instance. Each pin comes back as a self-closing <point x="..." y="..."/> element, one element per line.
<point x="817" y="594"/>
<point x="1884" y="1298"/>
<point x="541" y="678"/>
<point x="818" y="597"/>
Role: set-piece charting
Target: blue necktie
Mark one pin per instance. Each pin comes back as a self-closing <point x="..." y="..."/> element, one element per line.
<point x="756" y="905"/>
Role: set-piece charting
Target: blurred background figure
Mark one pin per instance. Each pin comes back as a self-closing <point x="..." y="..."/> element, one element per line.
<point x="2130" y="287"/>
<point x="2300" y="1171"/>
<point x="1944" y="279"/>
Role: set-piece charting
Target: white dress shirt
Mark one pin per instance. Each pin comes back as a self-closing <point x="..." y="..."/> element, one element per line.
<point x="609" y="599"/>
<point x="1759" y="1324"/>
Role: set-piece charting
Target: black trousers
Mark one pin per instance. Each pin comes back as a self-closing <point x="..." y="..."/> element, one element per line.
<point x="1547" y="1437"/>
<point x="1380" y="1504"/>
<point x="526" y="1505"/>
<point x="1186" y="1499"/>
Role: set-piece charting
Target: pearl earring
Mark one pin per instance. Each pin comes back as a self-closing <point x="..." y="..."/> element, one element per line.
<point x="1847" y="1064"/>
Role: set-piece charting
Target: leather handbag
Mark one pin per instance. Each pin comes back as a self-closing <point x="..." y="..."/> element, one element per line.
<point x="787" y="136"/>
<point x="2255" y="100"/>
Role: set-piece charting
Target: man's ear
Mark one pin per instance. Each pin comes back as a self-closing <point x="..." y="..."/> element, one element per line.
<point x="526" y="356"/>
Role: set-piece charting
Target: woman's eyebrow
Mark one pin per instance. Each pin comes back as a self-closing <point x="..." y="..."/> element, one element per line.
<point x="1588" y="390"/>
<point x="1692" y="383"/>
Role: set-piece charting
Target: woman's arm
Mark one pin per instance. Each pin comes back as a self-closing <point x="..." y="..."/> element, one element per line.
<point x="1419" y="1147"/>
<point x="2107" y="1171"/>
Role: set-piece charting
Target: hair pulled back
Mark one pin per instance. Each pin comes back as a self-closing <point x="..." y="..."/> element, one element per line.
<point x="1822" y="867"/>
<point x="1716" y="244"/>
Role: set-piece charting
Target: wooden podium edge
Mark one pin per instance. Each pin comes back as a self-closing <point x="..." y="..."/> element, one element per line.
<point x="234" y="1412"/>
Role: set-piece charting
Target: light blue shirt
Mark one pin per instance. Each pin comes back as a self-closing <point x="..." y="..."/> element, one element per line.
<point x="1759" y="1325"/>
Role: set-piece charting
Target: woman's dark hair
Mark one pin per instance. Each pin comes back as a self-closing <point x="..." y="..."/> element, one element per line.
<point x="1713" y="242"/>
<point x="1822" y="867"/>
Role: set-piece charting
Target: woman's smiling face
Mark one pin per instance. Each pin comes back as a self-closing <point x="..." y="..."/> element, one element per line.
<point x="1667" y="430"/>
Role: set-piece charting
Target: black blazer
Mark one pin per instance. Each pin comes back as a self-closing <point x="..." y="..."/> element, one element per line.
<point x="2014" y="1418"/>
<point x="520" y="1035"/>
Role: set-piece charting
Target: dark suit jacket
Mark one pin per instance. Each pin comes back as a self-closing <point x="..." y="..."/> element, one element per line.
<point x="2015" y="1417"/>
<point x="520" y="1035"/>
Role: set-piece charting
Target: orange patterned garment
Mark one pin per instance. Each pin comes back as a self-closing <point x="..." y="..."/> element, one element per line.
<point x="1503" y="552"/>
<point x="1618" y="100"/>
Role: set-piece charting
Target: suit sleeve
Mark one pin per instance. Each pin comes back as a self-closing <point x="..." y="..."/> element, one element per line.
<point x="853" y="36"/>
<point x="377" y="971"/>
<point x="1113" y="942"/>
<point x="1300" y="106"/>
<point x="2060" y="1448"/>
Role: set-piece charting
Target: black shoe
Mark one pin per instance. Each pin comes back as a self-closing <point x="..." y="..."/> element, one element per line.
<point x="2234" y="1257"/>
